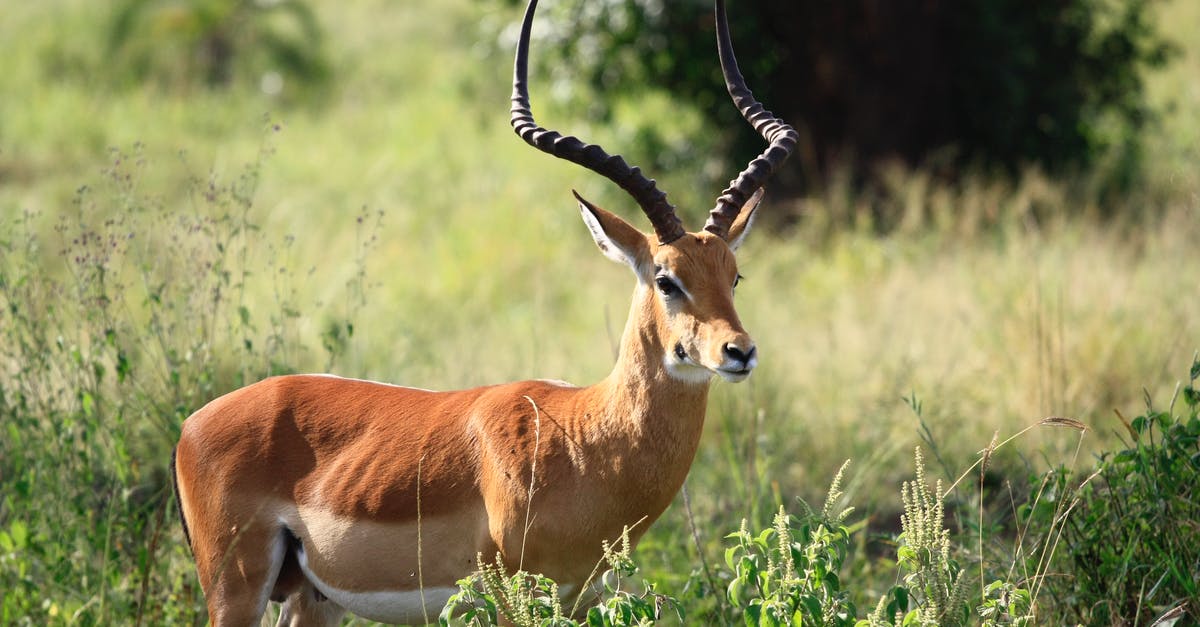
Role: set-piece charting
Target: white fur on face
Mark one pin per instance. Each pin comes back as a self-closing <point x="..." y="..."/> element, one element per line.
<point x="685" y="371"/>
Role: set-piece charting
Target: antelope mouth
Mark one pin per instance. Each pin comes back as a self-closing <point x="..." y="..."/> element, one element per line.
<point x="735" y="375"/>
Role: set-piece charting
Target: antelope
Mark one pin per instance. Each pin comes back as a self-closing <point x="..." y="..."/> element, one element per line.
<point x="336" y="495"/>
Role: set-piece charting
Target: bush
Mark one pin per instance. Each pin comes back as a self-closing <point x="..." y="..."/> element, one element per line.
<point x="528" y="600"/>
<point x="1131" y="547"/>
<point x="788" y="573"/>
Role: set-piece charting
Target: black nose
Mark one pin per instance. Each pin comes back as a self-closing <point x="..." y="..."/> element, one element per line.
<point x="735" y="353"/>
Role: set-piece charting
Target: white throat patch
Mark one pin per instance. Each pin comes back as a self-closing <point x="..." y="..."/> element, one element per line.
<point x="686" y="372"/>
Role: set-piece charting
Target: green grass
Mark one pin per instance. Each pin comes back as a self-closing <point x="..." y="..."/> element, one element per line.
<point x="471" y="267"/>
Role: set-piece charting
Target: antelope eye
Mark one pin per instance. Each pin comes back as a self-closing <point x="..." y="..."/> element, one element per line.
<point x="737" y="279"/>
<point x="667" y="286"/>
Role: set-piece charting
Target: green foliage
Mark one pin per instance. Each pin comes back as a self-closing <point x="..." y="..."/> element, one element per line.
<point x="1058" y="84"/>
<point x="529" y="600"/>
<point x="935" y="588"/>
<point x="1006" y="604"/>
<point x="274" y="45"/>
<point x="1130" y="548"/>
<point x="788" y="574"/>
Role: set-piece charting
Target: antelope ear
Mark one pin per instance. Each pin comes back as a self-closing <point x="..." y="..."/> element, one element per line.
<point x="616" y="238"/>
<point x="744" y="220"/>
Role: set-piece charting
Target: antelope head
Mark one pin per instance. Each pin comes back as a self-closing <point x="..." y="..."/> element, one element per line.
<point x="684" y="305"/>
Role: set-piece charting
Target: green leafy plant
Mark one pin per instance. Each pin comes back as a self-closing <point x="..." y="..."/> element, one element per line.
<point x="788" y="574"/>
<point x="1131" y="548"/>
<point x="529" y="600"/>
<point x="1006" y="604"/>
<point x="934" y="590"/>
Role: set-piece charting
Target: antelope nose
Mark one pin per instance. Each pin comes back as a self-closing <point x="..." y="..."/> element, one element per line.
<point x="736" y="353"/>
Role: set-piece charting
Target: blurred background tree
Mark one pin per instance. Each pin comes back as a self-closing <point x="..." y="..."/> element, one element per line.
<point x="992" y="86"/>
<point x="275" y="45"/>
<point x="951" y="87"/>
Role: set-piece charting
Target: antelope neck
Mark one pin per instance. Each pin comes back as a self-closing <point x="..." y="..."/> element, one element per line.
<point x="640" y="395"/>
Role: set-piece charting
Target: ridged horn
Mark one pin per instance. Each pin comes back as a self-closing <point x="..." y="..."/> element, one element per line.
<point x="591" y="156"/>
<point x="781" y="136"/>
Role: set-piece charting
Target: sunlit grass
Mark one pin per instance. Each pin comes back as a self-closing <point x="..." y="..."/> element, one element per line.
<point x="987" y="306"/>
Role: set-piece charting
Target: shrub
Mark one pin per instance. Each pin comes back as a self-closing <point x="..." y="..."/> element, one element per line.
<point x="934" y="590"/>
<point x="530" y="600"/>
<point x="1130" y="550"/>
<point x="788" y="573"/>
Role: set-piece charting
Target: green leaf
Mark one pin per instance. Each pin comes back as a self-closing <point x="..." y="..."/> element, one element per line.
<point x="731" y="552"/>
<point x="1191" y="396"/>
<point x="89" y="404"/>
<point x="752" y="615"/>
<point x="906" y="555"/>
<point x="122" y="366"/>
<point x="735" y="590"/>
<point x="763" y="539"/>
<point x="19" y="533"/>
<point x="812" y="605"/>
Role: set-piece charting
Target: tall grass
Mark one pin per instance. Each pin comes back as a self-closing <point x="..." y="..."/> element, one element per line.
<point x="986" y="309"/>
<point x="121" y="322"/>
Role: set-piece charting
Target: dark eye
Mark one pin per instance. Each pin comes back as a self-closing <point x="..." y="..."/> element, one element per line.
<point x="737" y="279"/>
<point x="667" y="286"/>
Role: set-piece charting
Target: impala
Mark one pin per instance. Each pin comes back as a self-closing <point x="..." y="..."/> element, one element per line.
<point x="333" y="495"/>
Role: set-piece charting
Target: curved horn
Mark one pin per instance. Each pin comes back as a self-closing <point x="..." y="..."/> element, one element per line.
<point x="654" y="202"/>
<point x="782" y="137"/>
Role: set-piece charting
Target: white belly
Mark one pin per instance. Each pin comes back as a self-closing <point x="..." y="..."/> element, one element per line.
<point x="388" y="572"/>
<point x="421" y="606"/>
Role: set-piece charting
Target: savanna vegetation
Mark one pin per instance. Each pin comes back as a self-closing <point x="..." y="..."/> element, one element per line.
<point x="196" y="195"/>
